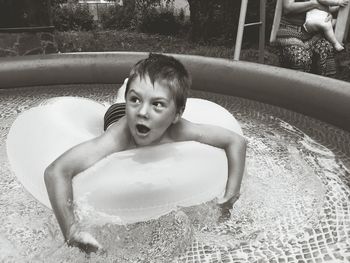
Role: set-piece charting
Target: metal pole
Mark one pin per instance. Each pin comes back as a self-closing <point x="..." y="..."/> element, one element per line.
<point x="262" y="31"/>
<point x="342" y="26"/>
<point x="49" y="12"/>
<point x="240" y="29"/>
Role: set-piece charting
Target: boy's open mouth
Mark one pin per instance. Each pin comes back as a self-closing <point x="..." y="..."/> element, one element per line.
<point x="142" y="128"/>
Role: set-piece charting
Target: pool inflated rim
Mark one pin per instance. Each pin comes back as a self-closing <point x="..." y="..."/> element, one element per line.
<point x="323" y="98"/>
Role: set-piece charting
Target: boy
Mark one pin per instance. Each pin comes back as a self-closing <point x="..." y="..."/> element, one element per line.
<point x="319" y="20"/>
<point x="155" y="95"/>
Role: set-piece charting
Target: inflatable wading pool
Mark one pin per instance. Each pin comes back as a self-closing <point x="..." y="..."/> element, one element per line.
<point x="134" y="185"/>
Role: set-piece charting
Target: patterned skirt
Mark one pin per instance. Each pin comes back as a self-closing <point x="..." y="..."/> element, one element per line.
<point x="303" y="51"/>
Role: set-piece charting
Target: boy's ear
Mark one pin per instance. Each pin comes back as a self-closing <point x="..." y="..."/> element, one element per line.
<point x="178" y="115"/>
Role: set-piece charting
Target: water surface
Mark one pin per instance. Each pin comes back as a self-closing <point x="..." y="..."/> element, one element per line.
<point x="294" y="205"/>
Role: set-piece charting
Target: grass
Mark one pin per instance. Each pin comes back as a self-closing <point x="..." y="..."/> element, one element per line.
<point x="93" y="41"/>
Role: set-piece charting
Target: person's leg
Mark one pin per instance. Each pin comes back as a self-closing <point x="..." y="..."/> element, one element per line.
<point x="328" y="31"/>
<point x="324" y="58"/>
<point x="314" y="26"/>
<point x="296" y="57"/>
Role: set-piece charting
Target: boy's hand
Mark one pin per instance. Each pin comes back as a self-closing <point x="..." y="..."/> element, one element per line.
<point x="226" y="203"/>
<point x="83" y="240"/>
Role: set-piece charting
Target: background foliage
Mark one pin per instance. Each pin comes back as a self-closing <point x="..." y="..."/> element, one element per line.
<point x="71" y="16"/>
<point x="210" y="21"/>
<point x="212" y="27"/>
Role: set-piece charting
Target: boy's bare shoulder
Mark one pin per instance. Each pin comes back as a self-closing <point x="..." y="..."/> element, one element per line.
<point x="183" y="130"/>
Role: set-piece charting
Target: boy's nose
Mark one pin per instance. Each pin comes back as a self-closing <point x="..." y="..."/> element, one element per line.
<point x="143" y="111"/>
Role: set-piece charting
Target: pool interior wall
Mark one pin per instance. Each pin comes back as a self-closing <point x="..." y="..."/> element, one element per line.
<point x="316" y="96"/>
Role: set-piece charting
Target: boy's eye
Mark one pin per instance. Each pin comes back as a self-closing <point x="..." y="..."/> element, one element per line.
<point x="158" y="104"/>
<point x="134" y="99"/>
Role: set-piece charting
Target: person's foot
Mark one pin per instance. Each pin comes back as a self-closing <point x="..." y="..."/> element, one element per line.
<point x="338" y="47"/>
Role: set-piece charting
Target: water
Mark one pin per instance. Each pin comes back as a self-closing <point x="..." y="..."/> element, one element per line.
<point x="294" y="204"/>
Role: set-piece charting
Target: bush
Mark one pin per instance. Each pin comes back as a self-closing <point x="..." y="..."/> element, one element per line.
<point x="73" y="17"/>
<point x="116" y="17"/>
<point x="161" y="22"/>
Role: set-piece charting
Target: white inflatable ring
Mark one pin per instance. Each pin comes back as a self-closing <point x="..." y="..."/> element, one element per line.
<point x="135" y="185"/>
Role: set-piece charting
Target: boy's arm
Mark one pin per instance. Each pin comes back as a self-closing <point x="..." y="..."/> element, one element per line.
<point x="233" y="144"/>
<point x="58" y="179"/>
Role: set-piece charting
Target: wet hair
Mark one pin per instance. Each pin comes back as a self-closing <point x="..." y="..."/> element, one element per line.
<point x="165" y="70"/>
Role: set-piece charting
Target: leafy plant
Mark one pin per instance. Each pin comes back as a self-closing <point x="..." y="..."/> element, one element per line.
<point x="73" y="16"/>
<point x="116" y="17"/>
<point x="161" y="22"/>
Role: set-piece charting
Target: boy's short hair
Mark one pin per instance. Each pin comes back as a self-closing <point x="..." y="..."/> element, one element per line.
<point x="164" y="69"/>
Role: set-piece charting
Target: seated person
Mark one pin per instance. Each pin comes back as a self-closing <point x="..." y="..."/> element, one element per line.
<point x="155" y="98"/>
<point x="299" y="49"/>
<point x="319" y="20"/>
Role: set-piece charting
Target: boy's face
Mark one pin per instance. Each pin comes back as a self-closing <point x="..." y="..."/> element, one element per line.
<point x="150" y="110"/>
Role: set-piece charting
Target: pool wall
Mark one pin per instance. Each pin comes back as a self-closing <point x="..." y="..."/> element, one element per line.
<point x="323" y="98"/>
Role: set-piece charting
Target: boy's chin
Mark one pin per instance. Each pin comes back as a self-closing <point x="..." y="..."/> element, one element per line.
<point x="140" y="142"/>
<point x="148" y="139"/>
<point x="146" y="142"/>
